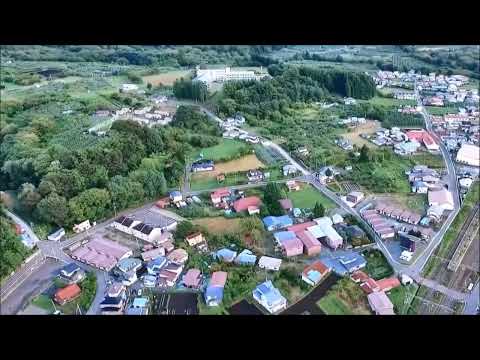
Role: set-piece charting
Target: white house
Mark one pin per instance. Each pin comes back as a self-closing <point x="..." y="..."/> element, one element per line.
<point x="83" y="226"/>
<point x="129" y="87"/>
<point x="269" y="263"/>
<point x="57" y="235"/>
<point x="269" y="297"/>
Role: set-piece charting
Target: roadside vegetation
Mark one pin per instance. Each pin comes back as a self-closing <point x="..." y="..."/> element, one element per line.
<point x="344" y="298"/>
<point x="377" y="265"/>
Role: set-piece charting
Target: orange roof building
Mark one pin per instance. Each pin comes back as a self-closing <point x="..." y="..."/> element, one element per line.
<point x="68" y="293"/>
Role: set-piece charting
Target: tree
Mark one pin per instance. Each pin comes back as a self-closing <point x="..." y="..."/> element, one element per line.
<point x="29" y="197"/>
<point x="53" y="209"/>
<point x="92" y="204"/>
<point x="253" y="225"/>
<point x="13" y="251"/>
<point x="125" y="192"/>
<point x="149" y="86"/>
<point x="318" y="210"/>
<point x="364" y="154"/>
<point x="328" y="172"/>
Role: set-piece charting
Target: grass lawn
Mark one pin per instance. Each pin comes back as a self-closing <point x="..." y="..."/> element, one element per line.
<point x="44" y="302"/>
<point x="307" y="197"/>
<point x="402" y="297"/>
<point x="429" y="159"/>
<point x="386" y="101"/>
<point x="219" y="225"/>
<point x="203" y="182"/>
<point x="437" y="110"/>
<point x="377" y="265"/>
<point x="226" y="148"/>
<point x="331" y="304"/>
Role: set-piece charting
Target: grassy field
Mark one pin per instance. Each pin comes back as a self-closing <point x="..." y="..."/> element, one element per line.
<point x="167" y="78"/>
<point x="402" y="297"/>
<point x="307" y="197"/>
<point x="428" y="159"/>
<point x="472" y="198"/>
<point x="331" y="304"/>
<point x="388" y="102"/>
<point x="436" y="110"/>
<point x="219" y="225"/>
<point x="226" y="148"/>
<point x="411" y="201"/>
<point x="44" y="302"/>
<point x="377" y="266"/>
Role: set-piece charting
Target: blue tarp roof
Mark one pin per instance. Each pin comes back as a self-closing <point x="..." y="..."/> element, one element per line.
<point x="281" y="236"/>
<point x="246" y="257"/>
<point x="277" y="221"/>
<point x="175" y="193"/>
<point x="226" y="254"/>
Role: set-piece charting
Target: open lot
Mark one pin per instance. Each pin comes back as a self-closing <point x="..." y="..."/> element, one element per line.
<point x="336" y="304"/>
<point x="368" y="128"/>
<point x="402" y="297"/>
<point x="377" y="265"/>
<point x="219" y="225"/>
<point x="307" y="196"/>
<point x="225" y="149"/>
<point x="387" y="101"/>
<point x="167" y="78"/>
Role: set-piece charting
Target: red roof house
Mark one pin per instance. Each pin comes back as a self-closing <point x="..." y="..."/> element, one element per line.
<point x="388" y="283"/>
<point x="163" y="202"/>
<point x="243" y="204"/>
<point x="68" y="293"/>
<point x="311" y="245"/>
<point x="370" y="286"/>
<point x="300" y="227"/>
<point x="359" y="276"/>
<point x="192" y="278"/>
<point x="219" y="278"/>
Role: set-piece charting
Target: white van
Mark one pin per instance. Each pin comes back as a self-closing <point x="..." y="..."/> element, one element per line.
<point x="470" y="287"/>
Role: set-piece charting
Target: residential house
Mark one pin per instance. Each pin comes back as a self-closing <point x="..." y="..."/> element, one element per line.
<point x="292" y="247"/>
<point x="370" y="286"/>
<point x="315" y="272"/>
<point x="214" y="291"/>
<point x="155" y="265"/>
<point x="406" y="148"/>
<point x="150" y="281"/>
<point x="269" y="263"/>
<point x="286" y="204"/>
<point x="163" y="203"/>
<point x="57" y="235"/>
<point x="246" y="257"/>
<point x="168" y="276"/>
<point x="195" y="239"/>
<point x="138" y="307"/>
<point x="337" y="219"/>
<point x="469" y="154"/>
<point x="153" y="254"/>
<point x="178" y="256"/>
<point x="192" y="279"/>
<point x="67" y="294"/>
<point x="124" y="224"/>
<point x="352" y="261"/>
<point x="325" y="231"/>
<point x="176" y="196"/>
<point x="255" y="176"/>
<point x="292" y="185"/>
<point x="72" y="273"/>
<point x="419" y="187"/>
<point x="303" y="151"/>
<point x="355" y="197"/>
<point x="388" y="284"/>
<point x="247" y="204"/>
<point x="435" y="212"/>
<point x="269" y="297"/>
<point x="277" y="222"/>
<point x="359" y="276"/>
<point x="442" y="198"/>
<point x="203" y="165"/>
<point x="83" y="226"/>
<point x="289" y="170"/>
<point x="220" y="197"/>
<point x="380" y="303"/>
<point x="226" y="255"/>
<point x="310" y="244"/>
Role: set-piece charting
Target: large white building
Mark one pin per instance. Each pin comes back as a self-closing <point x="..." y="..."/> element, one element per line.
<point x="208" y="76"/>
<point x="469" y="154"/>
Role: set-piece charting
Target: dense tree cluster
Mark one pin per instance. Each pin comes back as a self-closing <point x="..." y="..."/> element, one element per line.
<point x="13" y="252"/>
<point x="188" y="89"/>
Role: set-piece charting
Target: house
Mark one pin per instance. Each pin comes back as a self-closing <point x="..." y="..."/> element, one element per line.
<point x="352" y="261"/>
<point x="292" y="185"/>
<point x="176" y="196"/>
<point x="303" y="151"/>
<point x="281" y="236"/>
<point x="192" y="279"/>
<point x="139" y="307"/>
<point x="315" y="272"/>
<point x="178" y="256"/>
<point x="226" y="255"/>
<point x="286" y="204"/>
<point x="163" y="203"/>
<point x="388" y="284"/>
<point x="203" y="165"/>
<point x="419" y="187"/>
<point x="155" y="265"/>
<point x="269" y="263"/>
<point x="406" y="148"/>
<point x="129" y="264"/>
<point x="124" y="224"/>
<point x="325" y="231"/>
<point x="244" y="203"/>
<point x="289" y="170"/>
<point x="465" y="182"/>
<point x="253" y="210"/>
<point x="310" y="244"/>
<point x="149" y="281"/>
<point x="72" y="273"/>
<point x="83" y="226"/>
<point x="255" y="175"/>
<point x="220" y="177"/>
<point x="168" y="276"/>
<point x="435" y="212"/>
<point x="129" y="87"/>
<point x="406" y="280"/>
<point x="269" y="297"/>
<point x="355" y="197"/>
<point x="380" y="303"/>
<point x="302" y="226"/>
<point x="337" y="219"/>
<point x="153" y="254"/>
<point x="359" y="276"/>
<point x="168" y="246"/>
<point x="219" y="197"/>
<point x="214" y="291"/>
<point x="195" y="239"/>
<point x="370" y="286"/>
<point x="56" y="235"/>
<point x="442" y="198"/>
<point x="67" y="294"/>
<point x="246" y="257"/>
<point x="277" y="222"/>
<point x="116" y="290"/>
<point x="469" y="154"/>
<point x="292" y="247"/>
<point x="424" y="137"/>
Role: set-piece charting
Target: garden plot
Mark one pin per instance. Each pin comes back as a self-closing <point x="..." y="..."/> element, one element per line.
<point x="219" y="225"/>
<point x="368" y="128"/>
<point x="167" y="78"/>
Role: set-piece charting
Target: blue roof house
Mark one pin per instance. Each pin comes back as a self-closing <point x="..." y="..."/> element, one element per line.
<point x="226" y="255"/>
<point x="282" y="236"/>
<point x="213" y="295"/>
<point x="176" y="196"/>
<point x="155" y="265"/>
<point x="246" y="257"/>
<point x="269" y="297"/>
<point x="69" y="270"/>
<point x="352" y="262"/>
<point x="277" y="222"/>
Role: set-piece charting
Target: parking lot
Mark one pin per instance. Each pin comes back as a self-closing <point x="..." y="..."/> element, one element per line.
<point x="175" y="303"/>
<point x="244" y="308"/>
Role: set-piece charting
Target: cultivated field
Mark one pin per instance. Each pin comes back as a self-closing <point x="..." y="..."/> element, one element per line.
<point x="368" y="128"/>
<point x="243" y="164"/>
<point x="219" y="225"/>
<point x="307" y="196"/>
<point x="167" y="78"/>
<point x="227" y="148"/>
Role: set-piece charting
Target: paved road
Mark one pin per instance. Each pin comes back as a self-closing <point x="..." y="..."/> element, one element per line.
<point x="472" y="301"/>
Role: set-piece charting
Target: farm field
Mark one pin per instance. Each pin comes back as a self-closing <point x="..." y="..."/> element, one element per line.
<point x="386" y="101"/>
<point x="402" y="297"/>
<point x="437" y="110"/>
<point x="226" y="149"/>
<point x="431" y="160"/>
<point x="368" y="128"/>
<point x="307" y="196"/>
<point x="167" y="78"/>
<point x="219" y="225"/>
